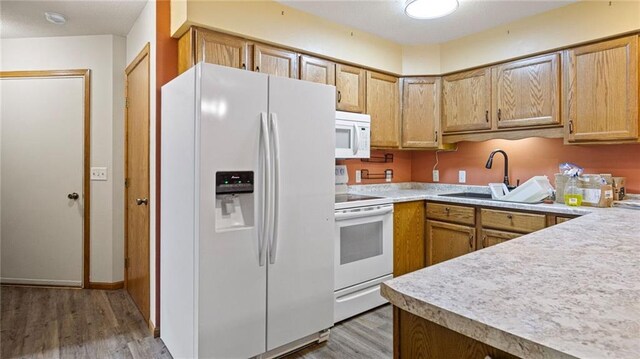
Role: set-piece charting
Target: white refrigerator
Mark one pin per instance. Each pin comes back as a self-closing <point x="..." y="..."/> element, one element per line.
<point x="247" y="213"/>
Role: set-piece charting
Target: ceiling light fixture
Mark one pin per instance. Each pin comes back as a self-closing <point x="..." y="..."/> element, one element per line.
<point x="55" y="18"/>
<point x="429" y="9"/>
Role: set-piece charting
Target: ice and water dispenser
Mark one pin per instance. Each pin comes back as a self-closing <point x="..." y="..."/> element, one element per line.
<point x="234" y="200"/>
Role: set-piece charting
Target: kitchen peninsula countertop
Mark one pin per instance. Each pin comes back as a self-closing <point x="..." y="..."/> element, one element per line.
<point x="567" y="291"/>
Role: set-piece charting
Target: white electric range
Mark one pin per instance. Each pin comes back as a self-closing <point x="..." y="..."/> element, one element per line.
<point x="363" y="251"/>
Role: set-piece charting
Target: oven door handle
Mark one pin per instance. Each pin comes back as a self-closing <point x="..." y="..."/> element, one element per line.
<point x="359" y="214"/>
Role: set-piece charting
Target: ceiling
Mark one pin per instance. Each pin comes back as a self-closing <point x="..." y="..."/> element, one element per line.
<point x="25" y="18"/>
<point x="386" y="18"/>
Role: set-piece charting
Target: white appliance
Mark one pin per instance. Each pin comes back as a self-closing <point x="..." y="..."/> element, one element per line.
<point x="247" y="215"/>
<point x="353" y="135"/>
<point x="363" y="250"/>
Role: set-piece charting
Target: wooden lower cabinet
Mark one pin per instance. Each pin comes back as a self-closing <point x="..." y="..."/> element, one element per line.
<point x="490" y="237"/>
<point x="408" y="237"/>
<point x="416" y="337"/>
<point x="446" y="241"/>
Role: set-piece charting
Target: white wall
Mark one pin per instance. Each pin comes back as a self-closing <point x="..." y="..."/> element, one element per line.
<point x="143" y="32"/>
<point x="104" y="55"/>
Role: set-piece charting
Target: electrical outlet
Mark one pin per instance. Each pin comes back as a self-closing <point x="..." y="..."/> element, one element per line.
<point x="387" y="175"/>
<point x="436" y="176"/>
<point x="98" y="173"/>
<point x="358" y="176"/>
<point x="462" y="176"/>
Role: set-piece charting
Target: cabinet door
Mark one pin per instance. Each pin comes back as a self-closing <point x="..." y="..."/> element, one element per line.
<point x="220" y="49"/>
<point x="527" y="92"/>
<point x="466" y="101"/>
<point x="317" y="70"/>
<point x="350" y="85"/>
<point x="601" y="91"/>
<point x="275" y="61"/>
<point x="383" y="104"/>
<point x="421" y="112"/>
<point x="446" y="241"/>
<point x="408" y="237"/>
<point x="490" y="237"/>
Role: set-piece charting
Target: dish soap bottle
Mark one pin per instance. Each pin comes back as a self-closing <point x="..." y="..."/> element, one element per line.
<point x="572" y="194"/>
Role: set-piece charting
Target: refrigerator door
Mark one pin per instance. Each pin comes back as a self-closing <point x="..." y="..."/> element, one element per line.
<point x="232" y="281"/>
<point x="300" y="266"/>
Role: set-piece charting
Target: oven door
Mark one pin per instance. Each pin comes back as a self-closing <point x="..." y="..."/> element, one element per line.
<point x="364" y="244"/>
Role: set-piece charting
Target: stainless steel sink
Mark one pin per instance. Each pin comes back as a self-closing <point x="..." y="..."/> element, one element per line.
<point x="468" y="195"/>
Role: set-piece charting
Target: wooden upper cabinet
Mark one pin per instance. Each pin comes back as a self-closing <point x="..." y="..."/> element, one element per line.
<point x="446" y="241"/>
<point x="421" y="112"/>
<point x="601" y="92"/>
<point x="466" y="101"/>
<point x="317" y="70"/>
<point x="350" y="83"/>
<point x="383" y="105"/>
<point x="220" y="49"/>
<point x="275" y="61"/>
<point x="527" y="92"/>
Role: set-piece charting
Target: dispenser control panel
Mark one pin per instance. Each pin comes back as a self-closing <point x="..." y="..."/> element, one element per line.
<point x="234" y="182"/>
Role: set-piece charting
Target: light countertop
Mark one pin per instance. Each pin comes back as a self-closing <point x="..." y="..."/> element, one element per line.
<point x="567" y="291"/>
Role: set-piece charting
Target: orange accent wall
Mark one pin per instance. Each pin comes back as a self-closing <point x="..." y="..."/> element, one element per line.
<point x="401" y="167"/>
<point x="528" y="158"/>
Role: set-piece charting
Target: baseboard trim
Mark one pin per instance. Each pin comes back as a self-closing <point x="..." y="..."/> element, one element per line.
<point x="106" y="285"/>
<point x="155" y="331"/>
<point x="41" y="282"/>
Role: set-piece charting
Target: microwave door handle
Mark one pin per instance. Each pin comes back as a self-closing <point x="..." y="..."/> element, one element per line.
<point x="359" y="214"/>
<point x="356" y="140"/>
<point x="266" y="184"/>
<point x="275" y="135"/>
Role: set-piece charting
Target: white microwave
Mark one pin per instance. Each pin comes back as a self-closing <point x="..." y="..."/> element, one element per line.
<point x="353" y="135"/>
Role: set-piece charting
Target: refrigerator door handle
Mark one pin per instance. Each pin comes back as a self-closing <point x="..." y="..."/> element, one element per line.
<point x="266" y="190"/>
<point x="275" y="135"/>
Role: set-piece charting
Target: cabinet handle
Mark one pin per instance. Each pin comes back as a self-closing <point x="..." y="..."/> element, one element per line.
<point x="499" y="115"/>
<point x="447" y="209"/>
<point x="486" y="115"/>
<point x="244" y="66"/>
<point x="257" y="68"/>
<point x="570" y="126"/>
<point x="339" y="96"/>
<point x="510" y="216"/>
<point x="471" y="241"/>
<point x="436" y="136"/>
<point x="484" y="241"/>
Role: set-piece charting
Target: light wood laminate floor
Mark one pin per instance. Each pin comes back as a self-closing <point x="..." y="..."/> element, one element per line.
<point x="82" y="323"/>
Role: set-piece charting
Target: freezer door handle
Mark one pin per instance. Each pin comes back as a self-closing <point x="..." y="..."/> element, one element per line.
<point x="364" y="213"/>
<point x="275" y="135"/>
<point x="266" y="192"/>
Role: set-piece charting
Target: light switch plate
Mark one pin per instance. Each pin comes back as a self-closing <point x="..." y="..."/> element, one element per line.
<point x="358" y="176"/>
<point x="462" y="176"/>
<point x="436" y="176"/>
<point x="98" y="173"/>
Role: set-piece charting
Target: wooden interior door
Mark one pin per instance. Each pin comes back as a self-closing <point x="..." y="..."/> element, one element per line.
<point x="350" y="83"/>
<point x="137" y="276"/>
<point x="421" y="112"/>
<point x="466" y="101"/>
<point x="446" y="241"/>
<point x="383" y="104"/>
<point x="527" y="92"/>
<point x="275" y="61"/>
<point x="601" y="91"/>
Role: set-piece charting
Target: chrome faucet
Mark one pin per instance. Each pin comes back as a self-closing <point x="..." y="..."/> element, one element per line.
<point x="506" y="166"/>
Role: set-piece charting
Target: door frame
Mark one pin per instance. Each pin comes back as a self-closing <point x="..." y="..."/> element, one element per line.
<point x="84" y="74"/>
<point x="145" y="52"/>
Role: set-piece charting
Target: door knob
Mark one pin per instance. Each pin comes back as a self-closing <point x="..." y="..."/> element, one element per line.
<point x="141" y="201"/>
<point x="74" y="196"/>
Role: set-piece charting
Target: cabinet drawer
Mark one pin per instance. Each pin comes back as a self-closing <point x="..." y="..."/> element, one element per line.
<point x="451" y="213"/>
<point x="512" y="221"/>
